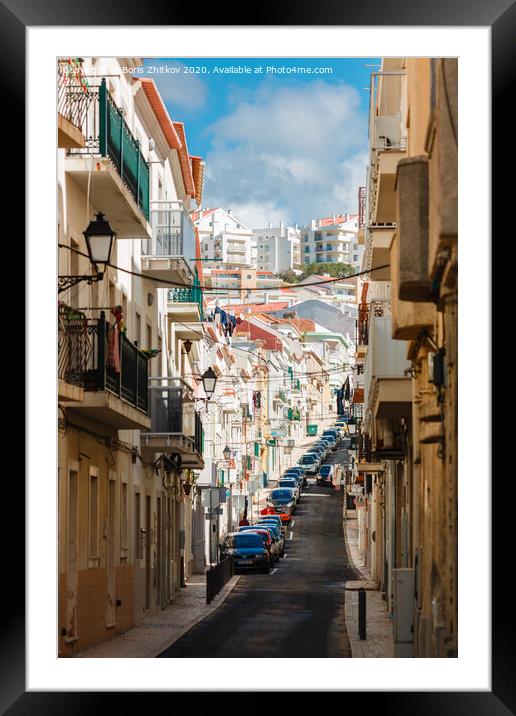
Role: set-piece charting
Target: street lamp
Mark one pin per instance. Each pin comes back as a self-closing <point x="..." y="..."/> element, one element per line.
<point x="227" y="453"/>
<point x="209" y="380"/>
<point x="99" y="241"/>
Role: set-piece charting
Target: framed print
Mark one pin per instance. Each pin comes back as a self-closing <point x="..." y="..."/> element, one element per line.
<point x="206" y="354"/>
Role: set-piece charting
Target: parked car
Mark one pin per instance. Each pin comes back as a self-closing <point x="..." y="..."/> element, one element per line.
<point x="268" y="537"/>
<point x="331" y="439"/>
<point x="273" y="519"/>
<point x="248" y="551"/>
<point x="317" y="455"/>
<point x="293" y="483"/>
<point x="311" y="463"/>
<point x="325" y="476"/>
<point x="333" y="432"/>
<point x="299" y="472"/>
<point x="324" y="446"/>
<point x="319" y="450"/>
<point x="278" y="532"/>
<point x="284" y="501"/>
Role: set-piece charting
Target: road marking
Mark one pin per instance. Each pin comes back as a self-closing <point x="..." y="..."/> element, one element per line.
<point x="285" y="556"/>
<point x="313" y="494"/>
<point x="293" y="523"/>
<point x="274" y="570"/>
<point x="291" y="535"/>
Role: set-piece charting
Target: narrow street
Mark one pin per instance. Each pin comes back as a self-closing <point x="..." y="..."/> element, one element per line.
<point x="298" y="609"/>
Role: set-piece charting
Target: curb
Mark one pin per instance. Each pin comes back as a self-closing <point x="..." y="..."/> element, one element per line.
<point x="209" y="609"/>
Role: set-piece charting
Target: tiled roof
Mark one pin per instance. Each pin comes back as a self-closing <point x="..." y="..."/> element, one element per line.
<point x="340" y="219"/>
<point x="184" y="159"/>
<point x="196" y="215"/>
<point x="161" y="113"/>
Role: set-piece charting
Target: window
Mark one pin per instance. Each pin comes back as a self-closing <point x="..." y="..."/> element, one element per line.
<point x="124" y="525"/>
<point x="137" y="535"/>
<point x="138" y="328"/>
<point x="93" y="539"/>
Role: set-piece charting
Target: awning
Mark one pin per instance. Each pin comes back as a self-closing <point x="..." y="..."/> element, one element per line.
<point x="358" y="395"/>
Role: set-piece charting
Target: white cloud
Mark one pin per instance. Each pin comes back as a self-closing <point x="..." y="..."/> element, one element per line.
<point x="290" y="153"/>
<point x="186" y="91"/>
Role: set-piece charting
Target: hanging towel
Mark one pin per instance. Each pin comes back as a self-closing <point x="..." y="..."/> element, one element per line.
<point x="113" y="352"/>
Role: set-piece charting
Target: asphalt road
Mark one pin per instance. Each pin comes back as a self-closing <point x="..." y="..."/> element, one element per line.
<point x="298" y="609"/>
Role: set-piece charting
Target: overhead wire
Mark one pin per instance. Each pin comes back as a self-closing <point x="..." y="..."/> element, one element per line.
<point x="233" y="288"/>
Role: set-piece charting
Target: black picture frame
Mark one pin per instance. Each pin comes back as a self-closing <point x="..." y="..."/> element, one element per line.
<point x="500" y="16"/>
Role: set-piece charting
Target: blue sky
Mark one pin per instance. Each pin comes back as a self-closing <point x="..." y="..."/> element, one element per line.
<point x="277" y="145"/>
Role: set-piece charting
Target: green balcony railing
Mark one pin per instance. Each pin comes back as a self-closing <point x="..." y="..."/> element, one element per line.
<point x="117" y="143"/>
<point x="192" y="294"/>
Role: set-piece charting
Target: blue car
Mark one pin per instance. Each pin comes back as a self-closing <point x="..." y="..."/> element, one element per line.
<point x="248" y="551"/>
<point x="284" y="501"/>
<point x="297" y="472"/>
<point x="269" y="537"/>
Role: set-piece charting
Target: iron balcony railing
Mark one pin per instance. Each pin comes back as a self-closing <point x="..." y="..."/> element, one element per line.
<point x="95" y="357"/>
<point x="172" y="411"/>
<point x="173" y="233"/>
<point x="74" y="95"/>
<point x="108" y="135"/>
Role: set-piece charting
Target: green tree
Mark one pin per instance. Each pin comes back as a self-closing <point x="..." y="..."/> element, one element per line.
<point x="333" y="269"/>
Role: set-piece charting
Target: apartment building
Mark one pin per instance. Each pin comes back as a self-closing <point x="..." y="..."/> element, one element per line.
<point x="407" y="353"/>
<point x="122" y="497"/>
<point x="278" y="248"/>
<point x="225" y="241"/>
<point x="332" y="239"/>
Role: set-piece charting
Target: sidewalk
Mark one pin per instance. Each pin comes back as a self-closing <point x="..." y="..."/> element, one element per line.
<point x="157" y="632"/>
<point x="379" y="640"/>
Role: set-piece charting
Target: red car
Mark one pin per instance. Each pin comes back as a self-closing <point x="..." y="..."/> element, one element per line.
<point x="285" y="518"/>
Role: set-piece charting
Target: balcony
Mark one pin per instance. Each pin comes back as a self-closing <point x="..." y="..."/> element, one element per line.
<point x="280" y="397"/>
<point x="169" y="256"/>
<point x="73" y="101"/>
<point x="111" y="161"/>
<point x="387" y="141"/>
<point x="380" y="239"/>
<point x="387" y="389"/>
<point x="185" y="309"/>
<point x="100" y="372"/>
<point x="175" y="427"/>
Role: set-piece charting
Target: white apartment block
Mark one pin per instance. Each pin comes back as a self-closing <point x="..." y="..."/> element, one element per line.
<point x="225" y="241"/>
<point x="332" y="239"/>
<point x="278" y="248"/>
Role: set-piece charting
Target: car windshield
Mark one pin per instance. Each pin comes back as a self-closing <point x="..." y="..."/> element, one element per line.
<point x="308" y="458"/>
<point x="281" y="494"/>
<point x="325" y="469"/>
<point x="287" y="482"/>
<point x="244" y="540"/>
